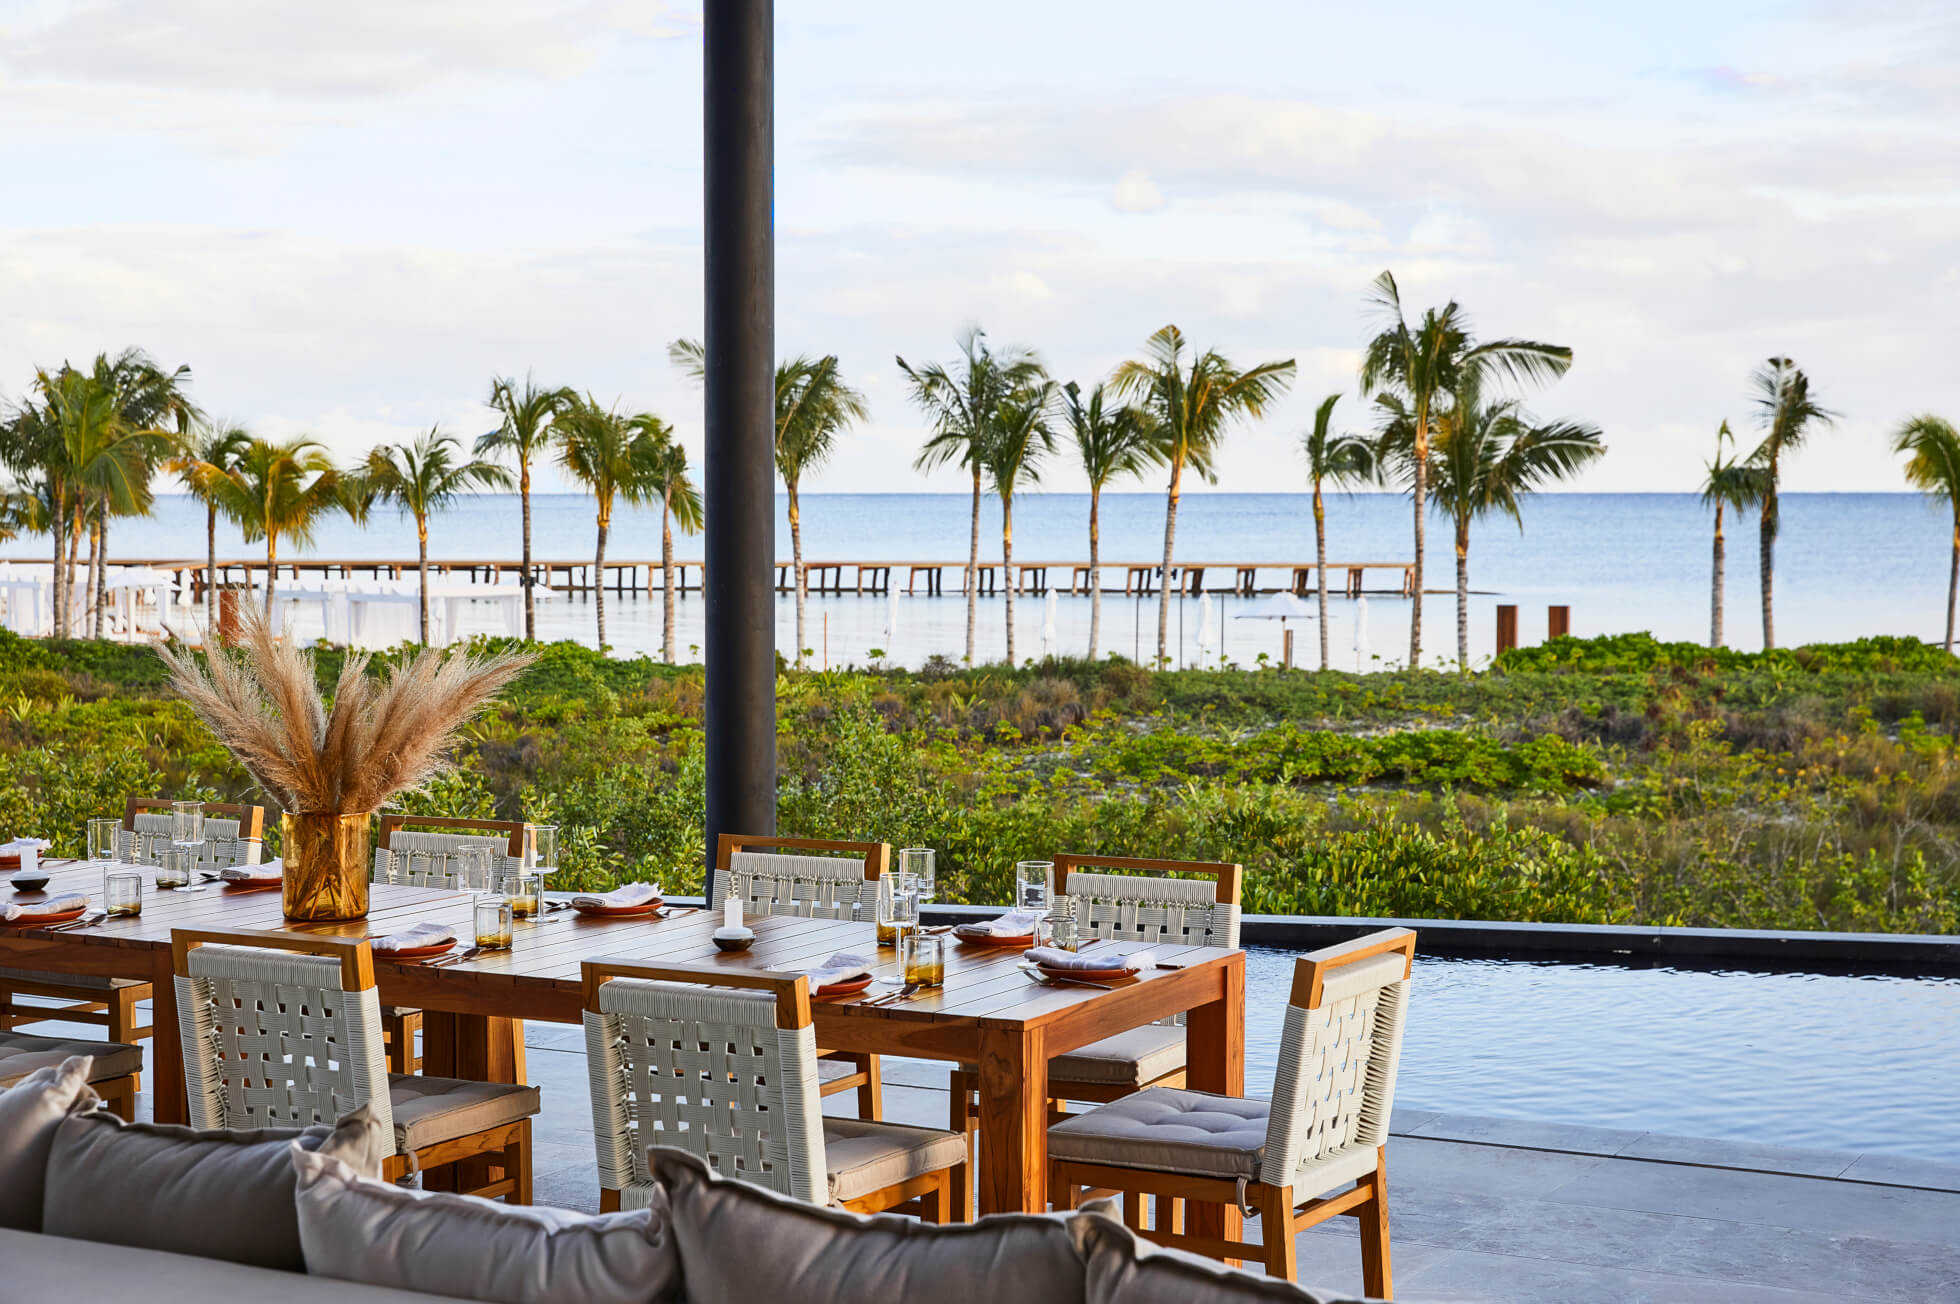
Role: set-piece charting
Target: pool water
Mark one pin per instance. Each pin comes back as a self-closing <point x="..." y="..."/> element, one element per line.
<point x="1823" y="1061"/>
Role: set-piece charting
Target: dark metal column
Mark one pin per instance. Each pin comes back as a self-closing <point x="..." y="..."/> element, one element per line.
<point x="740" y="473"/>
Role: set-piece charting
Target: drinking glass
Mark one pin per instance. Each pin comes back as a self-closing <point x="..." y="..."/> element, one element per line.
<point x="524" y="889"/>
<point x="104" y="840"/>
<point x="1031" y="884"/>
<point x="897" y="913"/>
<point x="925" y="959"/>
<point x="122" y="892"/>
<point x="187" y="835"/>
<point x="491" y="916"/>
<point x="469" y="868"/>
<point x="174" y="867"/>
<point x="1058" y="931"/>
<point x="916" y="869"/>
<point x="544" y="848"/>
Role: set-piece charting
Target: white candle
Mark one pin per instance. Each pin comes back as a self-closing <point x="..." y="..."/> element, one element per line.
<point x="731" y="913"/>
<point x="30" y="858"/>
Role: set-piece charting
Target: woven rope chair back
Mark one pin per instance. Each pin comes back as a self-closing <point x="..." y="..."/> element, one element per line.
<point x="817" y="887"/>
<point x="422" y="859"/>
<point x="222" y="848"/>
<point x="273" y="1039"/>
<point x="1335" y="1080"/>
<point x="1154" y="909"/>
<point x="704" y="1069"/>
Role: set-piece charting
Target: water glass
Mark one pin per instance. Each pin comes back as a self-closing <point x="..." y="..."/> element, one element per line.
<point x="469" y="868"/>
<point x="925" y="959"/>
<point x="1058" y="931"/>
<point x="916" y="869"/>
<point x="175" y="866"/>
<point x="105" y="840"/>
<point x="491" y="916"/>
<point x="524" y="889"/>
<point x="1031" y="878"/>
<point x="897" y="911"/>
<point x="122" y="892"/>
<point x="186" y="823"/>
<point x="544" y="847"/>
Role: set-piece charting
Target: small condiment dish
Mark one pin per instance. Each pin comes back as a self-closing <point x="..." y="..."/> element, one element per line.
<point x="734" y="939"/>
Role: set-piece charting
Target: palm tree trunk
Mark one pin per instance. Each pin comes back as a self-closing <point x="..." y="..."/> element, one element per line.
<point x="1170" y="535"/>
<point x="667" y="575"/>
<point x="1007" y="567"/>
<point x="59" y="534"/>
<point x="1767" y="534"/>
<point x="1463" y="593"/>
<point x="1421" y="498"/>
<point x="973" y="566"/>
<point x="796" y="566"/>
<point x="599" y="582"/>
<point x="99" y="565"/>
<point x="524" y="497"/>
<point x="271" y="570"/>
<point x="422" y="546"/>
<point x="1719" y="583"/>
<point x="77" y="525"/>
<point x="210" y="569"/>
<point x="1320" y="564"/>
<point x="1953" y="583"/>
<point x="1095" y="571"/>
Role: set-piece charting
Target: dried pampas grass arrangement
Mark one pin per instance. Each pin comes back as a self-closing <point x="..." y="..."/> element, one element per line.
<point x="382" y="736"/>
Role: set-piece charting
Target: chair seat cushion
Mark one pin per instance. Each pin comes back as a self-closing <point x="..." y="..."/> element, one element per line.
<point x="1129" y="1059"/>
<point x="21" y="1054"/>
<point x="1168" y="1130"/>
<point x="429" y="1111"/>
<point x="864" y="1157"/>
<point x="53" y="1267"/>
<point x="81" y="982"/>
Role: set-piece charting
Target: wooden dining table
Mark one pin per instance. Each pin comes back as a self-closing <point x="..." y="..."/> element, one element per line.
<point x="988" y="1013"/>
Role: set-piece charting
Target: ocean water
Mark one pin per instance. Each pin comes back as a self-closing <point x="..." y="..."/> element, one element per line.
<point x="1847" y="565"/>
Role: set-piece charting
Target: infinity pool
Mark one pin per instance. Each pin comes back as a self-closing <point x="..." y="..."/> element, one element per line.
<point x="1824" y="1061"/>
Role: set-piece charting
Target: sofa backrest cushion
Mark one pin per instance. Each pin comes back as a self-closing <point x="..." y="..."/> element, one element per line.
<point x="31" y="1111"/>
<point x="742" y="1244"/>
<point x="1124" y="1268"/>
<point x="215" y="1195"/>
<point x="370" y="1232"/>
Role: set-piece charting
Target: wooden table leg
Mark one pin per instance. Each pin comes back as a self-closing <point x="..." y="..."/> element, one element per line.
<point x="168" y="1102"/>
<point x="1215" y="1049"/>
<point x="1013" y="1119"/>
<point x="478" y="1047"/>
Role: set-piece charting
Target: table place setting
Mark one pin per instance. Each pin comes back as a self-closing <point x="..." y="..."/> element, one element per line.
<point x="624" y="902"/>
<point x="422" y="941"/>
<point x="1052" y="965"/>
<point x="59" y="909"/>
<point x="250" y="878"/>
<point x="845" y="973"/>
<point x="1015" y="928"/>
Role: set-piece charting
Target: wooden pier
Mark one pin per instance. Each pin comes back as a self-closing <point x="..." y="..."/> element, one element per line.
<point x="834" y="578"/>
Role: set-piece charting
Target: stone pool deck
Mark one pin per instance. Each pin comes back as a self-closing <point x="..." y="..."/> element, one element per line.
<point x="1504" y="1210"/>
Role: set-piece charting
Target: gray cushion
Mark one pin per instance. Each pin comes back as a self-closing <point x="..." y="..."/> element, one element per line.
<point x="217" y="1195"/>
<point x="758" y="1246"/>
<point x="1129" y="1059"/>
<point x="31" y="1112"/>
<point x="429" y="1111"/>
<point x="355" y="1229"/>
<point x="22" y="1053"/>
<point x="85" y="982"/>
<point x="1124" y="1268"/>
<point x="49" y="1268"/>
<point x="1168" y="1130"/>
<point x="863" y="1157"/>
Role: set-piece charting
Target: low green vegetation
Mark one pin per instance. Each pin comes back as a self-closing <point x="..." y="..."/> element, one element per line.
<point x="1607" y="780"/>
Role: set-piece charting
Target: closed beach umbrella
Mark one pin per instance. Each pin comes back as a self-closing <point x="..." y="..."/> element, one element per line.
<point x="891" y="623"/>
<point x="1048" y="627"/>
<point x="1360" y="629"/>
<point x="1206" y="635"/>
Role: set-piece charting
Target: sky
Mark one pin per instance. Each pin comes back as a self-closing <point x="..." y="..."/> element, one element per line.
<point x="347" y="215"/>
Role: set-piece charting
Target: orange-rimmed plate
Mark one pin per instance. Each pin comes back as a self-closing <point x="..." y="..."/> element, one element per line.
<point x="849" y="987"/>
<point x="249" y="885"/>
<point x="42" y="921"/>
<point x="418" y="952"/>
<point x="972" y="937"/>
<point x="619" y="912"/>
<point x="1088" y="975"/>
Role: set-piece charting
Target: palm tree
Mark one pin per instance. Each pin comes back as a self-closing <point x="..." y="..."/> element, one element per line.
<point x="1785" y="413"/>
<point x="1730" y="484"/>
<point x="1110" y="442"/>
<point x="615" y="458"/>
<point x="1933" y="447"/>
<point x="1342" y="460"/>
<point x="1421" y="368"/>
<point x="200" y="461"/>
<point x="680" y="504"/>
<point x="1486" y="455"/>
<point x="31" y="446"/>
<point x="1022" y="438"/>
<point x="813" y="407"/>
<point x="963" y="402"/>
<point x="1190" y="410"/>
<point x="423" y="478"/>
<point x="281" y="491"/>
<point x="526" y="431"/>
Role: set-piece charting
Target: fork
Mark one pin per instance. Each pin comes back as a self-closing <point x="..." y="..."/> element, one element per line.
<point x="893" y="998"/>
<point x="1051" y="980"/>
<point x="457" y="958"/>
<point x="89" y="920"/>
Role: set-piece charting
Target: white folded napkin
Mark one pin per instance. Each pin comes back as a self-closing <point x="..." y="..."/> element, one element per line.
<point x="411" y="939"/>
<point x="24" y="844"/>
<point x="270" y="872"/>
<point x="632" y="894"/>
<point x="1051" y="958"/>
<point x="13" y="912"/>
<point x="1015" y="923"/>
<point x="841" y="967"/>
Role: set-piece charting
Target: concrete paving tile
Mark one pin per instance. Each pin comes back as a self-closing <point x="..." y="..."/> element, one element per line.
<point x="1740" y="1154"/>
<point x="1899" y="1170"/>
<point x="1853" y="1267"/>
<point x="1403" y="1121"/>
<point x="1421" y="1163"/>
<point x="1427" y="1273"/>
<point x="1527" y="1134"/>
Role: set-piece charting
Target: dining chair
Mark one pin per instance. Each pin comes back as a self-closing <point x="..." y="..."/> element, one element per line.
<point x="112" y="1071"/>
<point x="233" y="835"/>
<point x="722" y="1063"/>
<point x="396" y="861"/>
<point x="839" y="885"/>
<point x="1318" y="1148"/>
<point x="284" y="1030"/>
<point x="1150" y="902"/>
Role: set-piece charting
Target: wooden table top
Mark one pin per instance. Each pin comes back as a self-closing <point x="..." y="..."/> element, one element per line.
<point x="538" y="978"/>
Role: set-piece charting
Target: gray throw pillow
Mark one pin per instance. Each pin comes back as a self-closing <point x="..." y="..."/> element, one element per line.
<point x="743" y="1244"/>
<point x="377" y="1234"/>
<point x="215" y="1195"/>
<point x="30" y="1113"/>
<point x="1124" y="1268"/>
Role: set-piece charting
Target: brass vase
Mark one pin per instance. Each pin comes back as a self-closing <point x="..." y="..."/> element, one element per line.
<point x="326" y="874"/>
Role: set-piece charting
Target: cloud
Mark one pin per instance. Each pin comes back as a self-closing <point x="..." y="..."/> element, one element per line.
<point x="1136" y="193"/>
